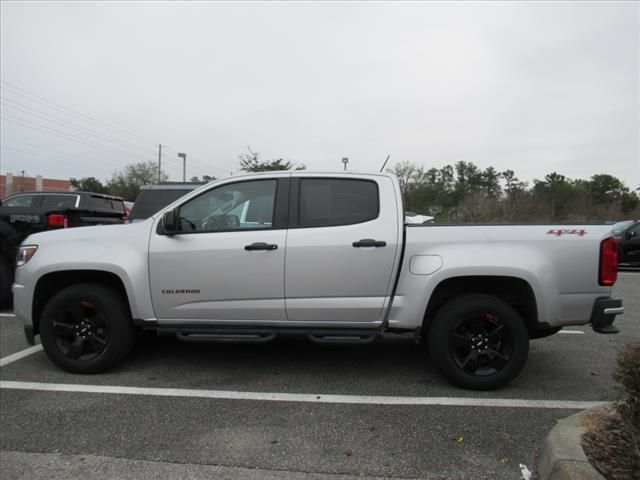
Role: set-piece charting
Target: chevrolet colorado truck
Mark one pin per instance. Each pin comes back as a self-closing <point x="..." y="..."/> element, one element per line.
<point x="322" y="255"/>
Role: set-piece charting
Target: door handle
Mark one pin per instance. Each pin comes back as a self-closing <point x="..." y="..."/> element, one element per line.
<point x="369" y="242"/>
<point x="261" y="246"/>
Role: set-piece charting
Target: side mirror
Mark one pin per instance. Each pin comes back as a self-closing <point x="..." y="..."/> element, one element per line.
<point x="631" y="234"/>
<point x="169" y="224"/>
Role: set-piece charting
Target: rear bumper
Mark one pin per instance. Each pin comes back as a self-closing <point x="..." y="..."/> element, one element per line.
<point x="604" y="313"/>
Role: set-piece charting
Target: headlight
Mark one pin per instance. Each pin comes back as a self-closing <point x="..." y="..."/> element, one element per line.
<point x="25" y="253"/>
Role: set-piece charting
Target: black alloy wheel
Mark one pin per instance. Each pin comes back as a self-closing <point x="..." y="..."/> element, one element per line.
<point x="81" y="331"/>
<point x="481" y="344"/>
<point x="478" y="342"/>
<point x="86" y="328"/>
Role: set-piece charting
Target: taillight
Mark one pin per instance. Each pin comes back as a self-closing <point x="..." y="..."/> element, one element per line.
<point x="608" y="272"/>
<point x="58" y="220"/>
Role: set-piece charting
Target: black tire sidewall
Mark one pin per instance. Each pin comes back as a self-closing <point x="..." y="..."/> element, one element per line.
<point x="6" y="278"/>
<point x="442" y="328"/>
<point x="117" y="317"/>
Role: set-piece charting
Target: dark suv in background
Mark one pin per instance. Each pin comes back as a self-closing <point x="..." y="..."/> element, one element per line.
<point x="24" y="213"/>
<point x="153" y="198"/>
<point x="628" y="235"/>
<point x="83" y="200"/>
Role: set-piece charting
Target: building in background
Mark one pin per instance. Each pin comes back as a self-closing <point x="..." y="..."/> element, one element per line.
<point x="11" y="183"/>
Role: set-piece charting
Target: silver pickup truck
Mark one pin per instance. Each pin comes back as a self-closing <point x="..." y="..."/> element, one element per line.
<point x="321" y="255"/>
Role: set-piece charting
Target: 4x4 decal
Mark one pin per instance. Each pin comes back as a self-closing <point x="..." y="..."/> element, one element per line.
<point x="558" y="232"/>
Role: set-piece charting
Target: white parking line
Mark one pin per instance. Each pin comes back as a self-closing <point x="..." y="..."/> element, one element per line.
<point x="8" y="315"/>
<point x="302" y="397"/>
<point x="17" y="356"/>
<point x="572" y="332"/>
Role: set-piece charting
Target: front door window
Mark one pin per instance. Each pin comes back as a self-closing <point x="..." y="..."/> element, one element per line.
<point x="239" y="206"/>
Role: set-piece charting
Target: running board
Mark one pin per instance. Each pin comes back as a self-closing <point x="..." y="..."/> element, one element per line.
<point x="344" y="338"/>
<point x="223" y="334"/>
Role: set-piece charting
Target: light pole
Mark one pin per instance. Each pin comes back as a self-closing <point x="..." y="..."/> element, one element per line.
<point x="345" y="160"/>
<point x="183" y="156"/>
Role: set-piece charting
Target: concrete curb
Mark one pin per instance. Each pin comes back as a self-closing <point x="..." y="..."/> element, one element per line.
<point x="561" y="456"/>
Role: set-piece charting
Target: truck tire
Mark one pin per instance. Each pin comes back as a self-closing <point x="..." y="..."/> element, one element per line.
<point x="478" y="342"/>
<point x="86" y="328"/>
<point x="6" y="279"/>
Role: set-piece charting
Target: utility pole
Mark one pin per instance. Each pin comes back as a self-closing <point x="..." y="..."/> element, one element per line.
<point x="159" y="162"/>
<point x="183" y="156"/>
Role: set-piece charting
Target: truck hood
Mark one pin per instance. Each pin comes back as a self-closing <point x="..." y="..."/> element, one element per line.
<point x="101" y="233"/>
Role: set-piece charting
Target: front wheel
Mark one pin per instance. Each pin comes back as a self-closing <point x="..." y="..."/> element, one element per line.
<point x="86" y="328"/>
<point x="478" y="342"/>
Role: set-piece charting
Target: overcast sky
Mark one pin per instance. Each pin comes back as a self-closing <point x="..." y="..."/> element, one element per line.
<point x="534" y="88"/>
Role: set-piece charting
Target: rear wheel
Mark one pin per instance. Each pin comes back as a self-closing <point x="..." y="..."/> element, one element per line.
<point x="478" y="342"/>
<point x="86" y="328"/>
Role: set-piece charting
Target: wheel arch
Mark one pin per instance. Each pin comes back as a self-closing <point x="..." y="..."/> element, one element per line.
<point x="51" y="283"/>
<point x="515" y="291"/>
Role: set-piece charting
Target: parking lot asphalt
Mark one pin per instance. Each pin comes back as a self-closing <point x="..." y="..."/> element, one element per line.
<point x="257" y="437"/>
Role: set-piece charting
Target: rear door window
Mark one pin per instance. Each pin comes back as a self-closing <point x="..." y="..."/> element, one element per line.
<point x="331" y="202"/>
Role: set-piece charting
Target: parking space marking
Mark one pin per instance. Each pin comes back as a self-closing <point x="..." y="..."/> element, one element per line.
<point x="303" y="397"/>
<point x="8" y="315"/>
<point x="18" y="355"/>
<point x="574" y="332"/>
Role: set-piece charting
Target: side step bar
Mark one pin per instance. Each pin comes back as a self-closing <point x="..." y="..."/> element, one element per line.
<point x="344" y="337"/>
<point x="263" y="335"/>
<point x="198" y="337"/>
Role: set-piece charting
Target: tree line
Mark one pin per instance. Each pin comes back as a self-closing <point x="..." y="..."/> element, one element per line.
<point x="465" y="193"/>
<point x="454" y="193"/>
<point x="126" y="183"/>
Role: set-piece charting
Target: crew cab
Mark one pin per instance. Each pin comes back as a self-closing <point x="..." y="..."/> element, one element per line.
<point x="326" y="256"/>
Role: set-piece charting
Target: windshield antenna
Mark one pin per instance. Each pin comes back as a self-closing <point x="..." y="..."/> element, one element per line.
<point x="385" y="163"/>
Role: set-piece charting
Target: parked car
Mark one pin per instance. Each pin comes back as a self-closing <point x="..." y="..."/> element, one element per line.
<point x="127" y="209"/>
<point x="24" y="213"/>
<point x="153" y="198"/>
<point x="628" y="235"/>
<point x="326" y="256"/>
<point x="417" y="218"/>
<point x="618" y="227"/>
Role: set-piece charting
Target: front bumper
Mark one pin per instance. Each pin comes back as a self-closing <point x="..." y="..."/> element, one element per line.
<point x="604" y="313"/>
<point x="22" y="309"/>
<point x="29" y="335"/>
